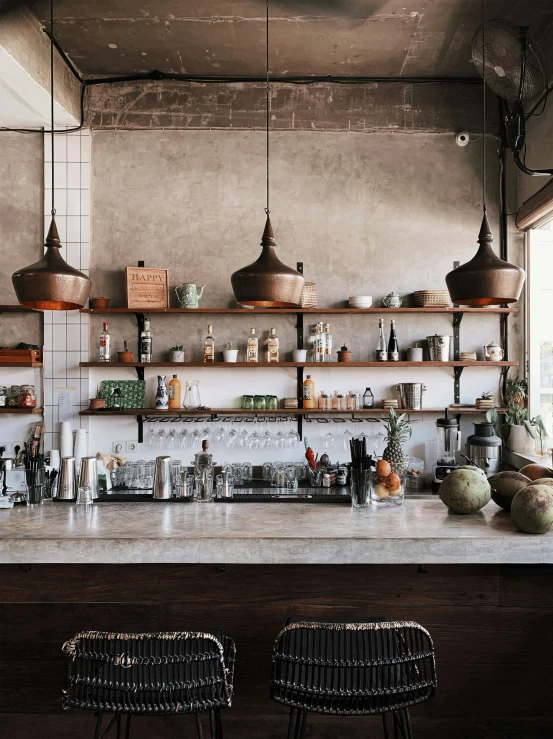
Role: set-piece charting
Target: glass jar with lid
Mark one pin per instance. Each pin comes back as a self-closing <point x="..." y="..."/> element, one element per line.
<point x="27" y="396"/>
<point x="3" y="396"/>
<point x="341" y="402"/>
<point x="354" y="401"/>
<point x="13" y="396"/>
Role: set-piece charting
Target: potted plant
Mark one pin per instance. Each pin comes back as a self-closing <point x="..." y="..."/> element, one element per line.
<point x="176" y="353"/>
<point x="230" y="354"/>
<point x="516" y="428"/>
<point x="485" y="401"/>
<point x="98" y="402"/>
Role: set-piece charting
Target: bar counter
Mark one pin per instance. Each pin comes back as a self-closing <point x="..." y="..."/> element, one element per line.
<point x="421" y="531"/>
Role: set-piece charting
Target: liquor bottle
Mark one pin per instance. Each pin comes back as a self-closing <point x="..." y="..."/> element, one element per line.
<point x="368" y="398"/>
<point x="308" y="392"/>
<point x="381" y="351"/>
<point x="393" y="346"/>
<point x="146" y="342"/>
<point x="272" y="347"/>
<point x="252" y="347"/>
<point x="174" y="391"/>
<point x="105" y="344"/>
<point x="209" y="346"/>
<point x="327" y="357"/>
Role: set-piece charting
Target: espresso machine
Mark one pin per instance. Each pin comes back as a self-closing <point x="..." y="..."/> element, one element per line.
<point x="448" y="437"/>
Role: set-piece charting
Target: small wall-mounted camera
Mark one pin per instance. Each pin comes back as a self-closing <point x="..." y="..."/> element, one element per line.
<point x="462" y="139"/>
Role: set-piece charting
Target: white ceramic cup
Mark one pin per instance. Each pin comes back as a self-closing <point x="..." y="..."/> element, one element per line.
<point x="414" y="354"/>
<point x="300" y="355"/>
<point x="66" y="439"/>
<point x="55" y="459"/>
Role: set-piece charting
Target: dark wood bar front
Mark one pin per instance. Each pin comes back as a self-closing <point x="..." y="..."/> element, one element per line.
<point x="491" y="625"/>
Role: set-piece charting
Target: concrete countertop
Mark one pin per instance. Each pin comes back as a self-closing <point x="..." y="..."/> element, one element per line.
<point x="421" y="531"/>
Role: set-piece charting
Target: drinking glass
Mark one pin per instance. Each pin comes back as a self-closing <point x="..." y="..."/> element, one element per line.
<point x="278" y="467"/>
<point x="267" y="471"/>
<point x="259" y="402"/>
<point x="35" y="486"/>
<point x="280" y="438"/>
<point x="171" y="438"/>
<point x="204" y="485"/>
<point x="176" y="467"/>
<point x="360" y="485"/>
<point x="271" y="402"/>
<point x="187" y="485"/>
<point x="266" y="438"/>
<point x="160" y="439"/>
<point x="237" y="473"/>
<point x="84" y="496"/>
<point x="247" y="472"/>
<point x="152" y="436"/>
<point x="206" y="433"/>
<point x="220" y="435"/>
<point x="148" y="476"/>
<point x="248" y="402"/>
<point x="347" y="437"/>
<point x="255" y="438"/>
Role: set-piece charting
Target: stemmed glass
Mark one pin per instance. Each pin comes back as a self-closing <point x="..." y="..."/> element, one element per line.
<point x="266" y="438"/>
<point x="347" y="436"/>
<point x="328" y="440"/>
<point x="280" y="438"/>
<point x="183" y="437"/>
<point x="196" y="439"/>
<point x="243" y="437"/>
<point x="152" y="436"/>
<point x="293" y="436"/>
<point x="160" y="439"/>
<point x="255" y="438"/>
<point x="171" y="438"/>
<point x="220" y="435"/>
<point x="231" y="436"/>
<point x="206" y="433"/>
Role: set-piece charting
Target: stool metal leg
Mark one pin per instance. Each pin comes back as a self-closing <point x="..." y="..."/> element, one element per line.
<point x="199" y="726"/>
<point x="118" y="726"/>
<point x="219" y="723"/>
<point x="385" y="725"/>
<point x="291" y="723"/>
<point x="98" y="728"/>
<point x="213" y="725"/>
<point x="301" y="722"/>
<point x="128" y="727"/>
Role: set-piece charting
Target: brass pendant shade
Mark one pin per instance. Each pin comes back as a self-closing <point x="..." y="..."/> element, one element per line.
<point x="50" y="283"/>
<point x="486" y="279"/>
<point x="268" y="283"/>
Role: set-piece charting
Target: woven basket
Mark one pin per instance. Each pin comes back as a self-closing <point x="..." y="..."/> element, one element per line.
<point x="431" y="299"/>
<point x="309" y="295"/>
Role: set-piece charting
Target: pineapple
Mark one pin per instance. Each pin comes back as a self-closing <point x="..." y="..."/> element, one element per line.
<point x="397" y="432"/>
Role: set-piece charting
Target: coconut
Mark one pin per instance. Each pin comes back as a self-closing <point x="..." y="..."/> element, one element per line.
<point x="532" y="509"/>
<point x="536" y="471"/>
<point x="472" y="467"/>
<point x="465" y="490"/>
<point x="505" y="485"/>
<point x="544" y="481"/>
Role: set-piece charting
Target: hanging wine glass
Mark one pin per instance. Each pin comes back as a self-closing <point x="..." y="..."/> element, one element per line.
<point x="293" y="436"/>
<point x="183" y="437"/>
<point x="206" y="433"/>
<point x="152" y="437"/>
<point x="242" y="439"/>
<point x="220" y="435"/>
<point x="255" y="439"/>
<point x="280" y="438"/>
<point x="171" y="439"/>
<point x="347" y="436"/>
<point x="328" y="440"/>
<point x="160" y="439"/>
<point x="266" y="438"/>
<point x="231" y="436"/>
<point x="196" y="439"/>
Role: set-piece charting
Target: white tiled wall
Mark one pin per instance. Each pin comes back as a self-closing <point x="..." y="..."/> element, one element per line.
<point x="66" y="333"/>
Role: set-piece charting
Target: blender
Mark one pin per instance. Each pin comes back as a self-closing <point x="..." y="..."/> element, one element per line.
<point x="448" y="439"/>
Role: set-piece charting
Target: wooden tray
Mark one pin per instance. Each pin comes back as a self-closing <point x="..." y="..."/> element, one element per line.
<point x="21" y="357"/>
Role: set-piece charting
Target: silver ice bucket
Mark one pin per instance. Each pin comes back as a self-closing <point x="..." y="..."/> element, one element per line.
<point x="410" y="395"/>
<point x="438" y="348"/>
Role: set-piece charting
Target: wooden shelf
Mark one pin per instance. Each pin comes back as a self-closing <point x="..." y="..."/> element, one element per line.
<point x="278" y="412"/>
<point x="16" y="309"/>
<point x="285" y="311"/>
<point x="20" y="411"/>
<point x="20" y="364"/>
<point x="311" y="365"/>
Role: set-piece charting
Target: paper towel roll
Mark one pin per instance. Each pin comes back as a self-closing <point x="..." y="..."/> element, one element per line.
<point x="81" y="447"/>
<point x="66" y="439"/>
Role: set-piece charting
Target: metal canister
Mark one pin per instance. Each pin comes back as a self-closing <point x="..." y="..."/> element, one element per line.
<point x="67" y="489"/>
<point x="163" y="489"/>
<point x="89" y="475"/>
<point x="410" y="395"/>
<point x="438" y="348"/>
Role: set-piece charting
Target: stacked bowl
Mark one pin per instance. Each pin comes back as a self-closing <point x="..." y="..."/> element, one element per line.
<point x="360" y="301"/>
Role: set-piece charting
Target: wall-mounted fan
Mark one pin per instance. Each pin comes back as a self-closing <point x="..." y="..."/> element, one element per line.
<point x="511" y="63"/>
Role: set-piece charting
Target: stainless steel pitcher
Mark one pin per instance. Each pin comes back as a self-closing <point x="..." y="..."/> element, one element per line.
<point x="438" y="347"/>
<point x="163" y="489"/>
<point x="89" y="475"/>
<point x="67" y="489"/>
<point x="410" y="395"/>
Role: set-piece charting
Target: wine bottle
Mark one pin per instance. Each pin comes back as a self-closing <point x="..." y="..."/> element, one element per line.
<point x="393" y="346"/>
<point x="105" y="344"/>
<point x="381" y="350"/>
<point x="146" y="342"/>
<point x="252" y="347"/>
<point x="209" y="346"/>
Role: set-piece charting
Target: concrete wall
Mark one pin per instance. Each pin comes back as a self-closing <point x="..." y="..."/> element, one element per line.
<point x="366" y="214"/>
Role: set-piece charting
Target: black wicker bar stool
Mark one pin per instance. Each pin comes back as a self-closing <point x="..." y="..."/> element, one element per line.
<point x="352" y="669"/>
<point x="158" y="674"/>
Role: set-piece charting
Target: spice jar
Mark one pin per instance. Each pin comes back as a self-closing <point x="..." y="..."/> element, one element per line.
<point x="27" y="396"/>
<point x="354" y="401"/>
<point x="342" y="402"/>
<point x="13" y="396"/>
<point x="3" y="396"/>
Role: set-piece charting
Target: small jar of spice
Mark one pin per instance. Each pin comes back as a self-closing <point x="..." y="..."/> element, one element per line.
<point x="3" y="396"/>
<point x="27" y="396"/>
<point x="13" y="396"/>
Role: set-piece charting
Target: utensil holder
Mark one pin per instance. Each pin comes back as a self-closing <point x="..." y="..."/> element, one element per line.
<point x="360" y="483"/>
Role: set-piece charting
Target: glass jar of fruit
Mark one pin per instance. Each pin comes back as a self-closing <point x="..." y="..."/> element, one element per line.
<point x="387" y="484"/>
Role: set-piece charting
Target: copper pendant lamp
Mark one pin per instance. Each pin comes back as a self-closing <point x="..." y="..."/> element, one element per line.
<point x="267" y="283"/>
<point x="50" y="283"/>
<point x="486" y="279"/>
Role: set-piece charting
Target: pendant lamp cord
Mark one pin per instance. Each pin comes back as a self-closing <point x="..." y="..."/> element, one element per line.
<point x="484" y="203"/>
<point x="267" y="211"/>
<point x="53" y="211"/>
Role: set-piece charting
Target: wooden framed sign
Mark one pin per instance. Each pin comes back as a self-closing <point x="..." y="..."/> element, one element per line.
<point x="147" y="287"/>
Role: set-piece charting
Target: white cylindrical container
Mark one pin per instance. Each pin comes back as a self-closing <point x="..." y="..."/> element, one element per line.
<point x="66" y="439"/>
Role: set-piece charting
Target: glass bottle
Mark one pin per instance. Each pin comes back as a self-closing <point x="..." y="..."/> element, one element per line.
<point x="368" y="398"/>
<point x="105" y="344"/>
<point x="381" y="350"/>
<point x="308" y="393"/>
<point x="327" y="357"/>
<point x="146" y="341"/>
<point x="252" y="347"/>
<point x="320" y="343"/>
<point x="209" y="346"/>
<point x="174" y="390"/>
<point x="273" y="347"/>
<point x="393" y="346"/>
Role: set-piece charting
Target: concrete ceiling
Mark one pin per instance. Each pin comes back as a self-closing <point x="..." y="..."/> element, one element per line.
<point x="374" y="38"/>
